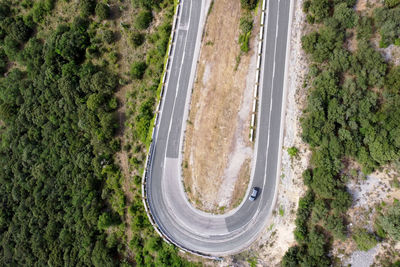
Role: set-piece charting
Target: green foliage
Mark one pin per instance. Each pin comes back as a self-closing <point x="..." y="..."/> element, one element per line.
<point x="364" y="240"/>
<point x="70" y="43"/>
<point x="388" y="22"/>
<point x="143" y="119"/>
<point x="317" y="10"/>
<point x="5" y="10"/>
<point x="3" y="61"/>
<point x="87" y="7"/>
<point x="248" y="4"/>
<point x="143" y="19"/>
<point x="293" y="151"/>
<point x="136" y="39"/>
<point x="390" y="221"/>
<point x="146" y="3"/>
<point x="102" y="11"/>
<point x="244" y="42"/>
<point x="245" y="26"/>
<point x="392" y="81"/>
<point x="109" y="36"/>
<point x="18" y="30"/>
<point x="50" y="132"/>
<point x="344" y="118"/>
<point x="105" y="221"/>
<point x="246" y="23"/>
<point x="41" y="9"/>
<point x="137" y="69"/>
<point x="364" y="28"/>
<point x="391" y="3"/>
<point x="345" y="15"/>
<point x="291" y="257"/>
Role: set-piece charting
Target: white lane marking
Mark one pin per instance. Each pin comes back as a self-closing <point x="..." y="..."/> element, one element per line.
<point x="270" y="108"/>
<point x="176" y="92"/>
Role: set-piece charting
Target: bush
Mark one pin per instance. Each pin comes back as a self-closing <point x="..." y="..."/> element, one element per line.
<point x="364" y="240"/>
<point x="137" y="69"/>
<point x="345" y="15"/>
<point x="87" y="7"/>
<point x="246" y="24"/>
<point x="248" y="4"/>
<point x="19" y="31"/>
<point x="391" y="3"/>
<point x="3" y="61"/>
<point x="390" y="222"/>
<point x="102" y="11"/>
<point x="293" y="151"/>
<point x="105" y="221"/>
<point x="143" y="19"/>
<point x="108" y="36"/>
<point x="136" y="39"/>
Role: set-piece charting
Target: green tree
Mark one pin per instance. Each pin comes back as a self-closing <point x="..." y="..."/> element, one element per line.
<point x="87" y="7"/>
<point x="143" y="19"/>
<point x="102" y="11"/>
<point x="248" y="4"/>
<point x="136" y="39"/>
<point x="137" y="69"/>
<point x="364" y="240"/>
<point x="345" y="15"/>
<point x="390" y="221"/>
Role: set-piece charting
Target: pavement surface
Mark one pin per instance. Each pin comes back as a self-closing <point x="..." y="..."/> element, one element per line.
<point x="176" y="219"/>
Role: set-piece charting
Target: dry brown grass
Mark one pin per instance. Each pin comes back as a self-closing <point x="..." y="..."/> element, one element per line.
<point x="241" y="185"/>
<point x="216" y="100"/>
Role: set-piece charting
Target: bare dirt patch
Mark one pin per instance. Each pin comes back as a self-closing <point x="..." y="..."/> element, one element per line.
<point x="217" y="152"/>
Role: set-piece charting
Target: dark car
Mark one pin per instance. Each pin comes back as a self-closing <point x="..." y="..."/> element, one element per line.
<point x="254" y="194"/>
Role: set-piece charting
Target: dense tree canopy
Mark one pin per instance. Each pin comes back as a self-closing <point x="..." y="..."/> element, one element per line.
<point x="353" y="113"/>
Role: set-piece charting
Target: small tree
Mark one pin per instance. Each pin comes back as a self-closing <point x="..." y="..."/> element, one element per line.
<point x="293" y="151"/>
<point x="102" y="11"/>
<point x="87" y="7"/>
<point x="143" y="19"/>
<point x="137" y="69"/>
<point x="136" y="39"/>
<point x="248" y="4"/>
<point x="390" y="222"/>
<point x="364" y="240"/>
<point x="105" y="220"/>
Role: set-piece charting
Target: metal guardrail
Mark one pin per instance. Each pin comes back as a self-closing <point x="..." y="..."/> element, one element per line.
<point x="258" y="71"/>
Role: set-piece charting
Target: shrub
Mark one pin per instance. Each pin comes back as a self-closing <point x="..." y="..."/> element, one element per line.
<point x="391" y="3"/>
<point x="364" y="240"/>
<point x="3" y="61"/>
<point x="105" y="221"/>
<point x="248" y="4"/>
<point x="390" y="222"/>
<point x="19" y="31"/>
<point x="136" y="39"/>
<point x="143" y="19"/>
<point x="108" y="36"/>
<point x="87" y="7"/>
<point x="102" y="11"/>
<point x="246" y="24"/>
<point x="293" y="151"/>
<point x="345" y="15"/>
<point x="4" y="10"/>
<point x="137" y="69"/>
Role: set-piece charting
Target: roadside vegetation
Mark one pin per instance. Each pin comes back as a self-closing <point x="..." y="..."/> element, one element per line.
<point x="245" y="26"/>
<point x="352" y="116"/>
<point x="62" y="194"/>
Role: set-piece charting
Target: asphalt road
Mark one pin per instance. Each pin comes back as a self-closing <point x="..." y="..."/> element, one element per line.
<point x="176" y="218"/>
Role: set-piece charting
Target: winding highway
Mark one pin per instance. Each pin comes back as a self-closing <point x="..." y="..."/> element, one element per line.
<point x="175" y="218"/>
